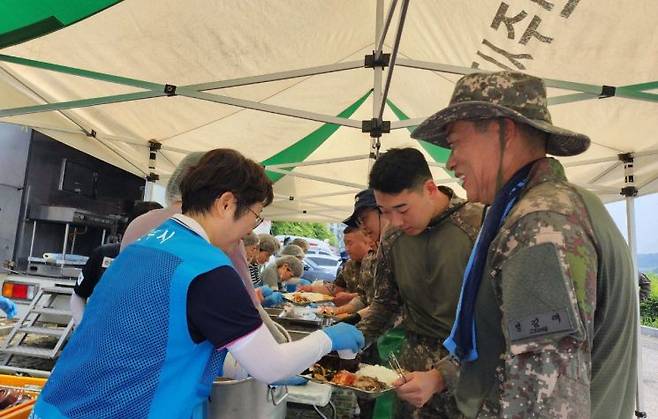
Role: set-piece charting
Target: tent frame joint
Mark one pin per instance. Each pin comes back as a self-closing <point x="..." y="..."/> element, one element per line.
<point x="607" y="91"/>
<point x="154" y="146"/>
<point x="625" y="157"/>
<point x="170" y="89"/>
<point x="91" y="133"/>
<point x="376" y="127"/>
<point x="376" y="60"/>
<point x="628" y="191"/>
<point x="152" y="177"/>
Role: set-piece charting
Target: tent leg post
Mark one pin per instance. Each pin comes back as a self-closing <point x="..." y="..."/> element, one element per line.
<point x="630" y="191"/>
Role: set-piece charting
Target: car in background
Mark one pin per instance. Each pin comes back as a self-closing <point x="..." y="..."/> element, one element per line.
<point x="314" y="245"/>
<point x="319" y="267"/>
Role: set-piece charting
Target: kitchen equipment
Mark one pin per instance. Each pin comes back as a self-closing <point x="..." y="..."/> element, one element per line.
<point x="247" y="398"/>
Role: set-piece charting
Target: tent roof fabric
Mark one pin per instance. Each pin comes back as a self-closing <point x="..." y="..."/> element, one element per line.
<point x="28" y="19"/>
<point x="284" y="83"/>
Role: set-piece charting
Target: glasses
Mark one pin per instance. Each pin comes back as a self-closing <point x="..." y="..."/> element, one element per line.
<point x="259" y="219"/>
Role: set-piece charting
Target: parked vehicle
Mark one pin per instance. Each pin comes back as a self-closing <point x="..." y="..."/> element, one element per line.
<point x="320" y="267"/>
<point x="315" y="245"/>
<point x="22" y="289"/>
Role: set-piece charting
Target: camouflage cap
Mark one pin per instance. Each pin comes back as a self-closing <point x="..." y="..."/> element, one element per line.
<point x="504" y="94"/>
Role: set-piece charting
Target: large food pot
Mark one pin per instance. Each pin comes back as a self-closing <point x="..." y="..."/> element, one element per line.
<point x="246" y="398"/>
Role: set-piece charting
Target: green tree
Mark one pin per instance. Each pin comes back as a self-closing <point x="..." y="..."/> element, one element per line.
<point x="297" y="228"/>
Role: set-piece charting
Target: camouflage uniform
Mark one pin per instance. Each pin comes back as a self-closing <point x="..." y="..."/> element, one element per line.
<point x="366" y="286"/>
<point x="422" y="349"/>
<point x="348" y="277"/>
<point x="555" y="312"/>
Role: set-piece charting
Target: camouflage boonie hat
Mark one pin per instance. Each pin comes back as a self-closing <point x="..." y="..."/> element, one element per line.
<point x="506" y="94"/>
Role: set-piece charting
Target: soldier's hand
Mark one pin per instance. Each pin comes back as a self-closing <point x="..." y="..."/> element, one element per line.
<point x="420" y="386"/>
<point x="343" y="298"/>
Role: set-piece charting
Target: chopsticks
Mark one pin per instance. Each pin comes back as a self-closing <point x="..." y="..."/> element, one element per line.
<point x="395" y="365"/>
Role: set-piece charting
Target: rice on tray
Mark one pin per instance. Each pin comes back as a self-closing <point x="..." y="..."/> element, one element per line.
<point x="383" y="374"/>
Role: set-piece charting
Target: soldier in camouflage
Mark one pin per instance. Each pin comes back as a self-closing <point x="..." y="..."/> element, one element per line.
<point x="367" y="218"/>
<point x="547" y="328"/>
<point x="357" y="246"/>
<point x="419" y="267"/>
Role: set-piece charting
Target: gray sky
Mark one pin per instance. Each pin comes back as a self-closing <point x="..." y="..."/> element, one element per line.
<point x="646" y="212"/>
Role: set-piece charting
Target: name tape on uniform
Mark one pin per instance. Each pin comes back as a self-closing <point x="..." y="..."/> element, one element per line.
<point x="539" y="325"/>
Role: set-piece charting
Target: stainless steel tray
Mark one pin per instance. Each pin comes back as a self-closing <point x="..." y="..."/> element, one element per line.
<point x="336" y="363"/>
<point x="359" y="392"/>
<point x="314" y="298"/>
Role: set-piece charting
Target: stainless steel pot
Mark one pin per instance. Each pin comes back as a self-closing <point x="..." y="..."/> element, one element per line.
<point x="247" y="399"/>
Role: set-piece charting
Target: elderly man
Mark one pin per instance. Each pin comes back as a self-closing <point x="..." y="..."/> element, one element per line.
<point x="546" y="321"/>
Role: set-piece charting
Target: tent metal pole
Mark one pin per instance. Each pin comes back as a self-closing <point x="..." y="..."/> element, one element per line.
<point x="649" y="179"/>
<point x="593" y="90"/>
<point x="407" y="123"/>
<point x="442" y="68"/>
<point x="380" y="34"/>
<point x="318" y="178"/>
<point x="591" y="161"/>
<point x="630" y="191"/>
<point x="300" y="201"/>
<point x="153" y="89"/>
<point x="316" y="162"/>
<point x="325" y="195"/>
<point x="599" y="188"/>
<point x="94" y="75"/>
<point x="282" y="75"/>
<point x="279" y="110"/>
<point x="81" y="103"/>
<point x="394" y="53"/>
<point x="575" y="97"/>
<point x="304" y="216"/>
<point x="632" y="242"/>
<point x="436" y="164"/>
<point x="445" y="181"/>
<point x="325" y="206"/>
<point x="605" y="172"/>
<point x="377" y="73"/>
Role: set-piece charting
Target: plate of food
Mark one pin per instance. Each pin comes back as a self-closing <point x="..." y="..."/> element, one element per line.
<point x="369" y="381"/>
<point x="304" y="298"/>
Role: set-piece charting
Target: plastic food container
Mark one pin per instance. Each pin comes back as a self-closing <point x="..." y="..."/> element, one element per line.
<point x="29" y="389"/>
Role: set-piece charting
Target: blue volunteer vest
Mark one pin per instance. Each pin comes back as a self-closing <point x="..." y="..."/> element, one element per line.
<point x="132" y="356"/>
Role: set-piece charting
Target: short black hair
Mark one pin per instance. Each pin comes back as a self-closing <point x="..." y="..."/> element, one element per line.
<point x="142" y="207"/>
<point x="350" y="229"/>
<point x="225" y="170"/>
<point x="399" y="169"/>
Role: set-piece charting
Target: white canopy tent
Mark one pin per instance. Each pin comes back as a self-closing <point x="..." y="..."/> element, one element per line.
<point x="285" y="83"/>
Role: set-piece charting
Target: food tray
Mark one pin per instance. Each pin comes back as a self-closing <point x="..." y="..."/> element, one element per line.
<point x="291" y="317"/>
<point x="334" y="361"/>
<point x="313" y="297"/>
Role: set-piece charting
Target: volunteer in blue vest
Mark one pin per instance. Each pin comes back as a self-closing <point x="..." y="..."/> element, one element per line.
<point x="152" y="345"/>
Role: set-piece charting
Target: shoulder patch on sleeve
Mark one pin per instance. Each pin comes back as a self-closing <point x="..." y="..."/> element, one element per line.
<point x="537" y="305"/>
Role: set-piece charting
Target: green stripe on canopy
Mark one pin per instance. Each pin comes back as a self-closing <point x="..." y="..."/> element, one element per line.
<point x="439" y="154"/>
<point x="23" y="20"/>
<point x="303" y="148"/>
